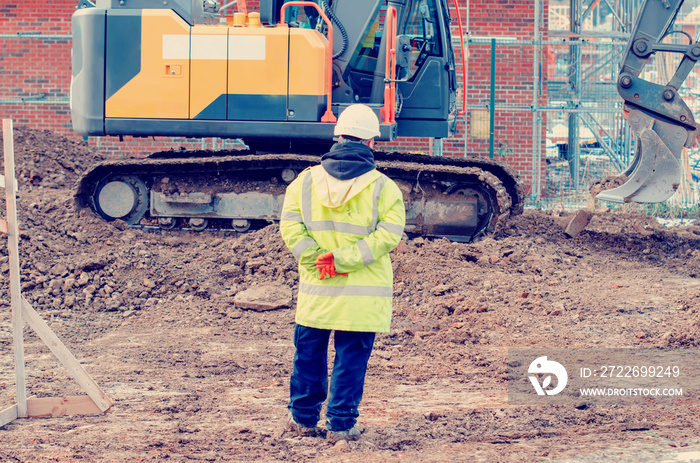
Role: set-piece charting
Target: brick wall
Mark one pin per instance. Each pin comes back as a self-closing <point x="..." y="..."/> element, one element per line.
<point x="514" y="82"/>
<point x="36" y="80"/>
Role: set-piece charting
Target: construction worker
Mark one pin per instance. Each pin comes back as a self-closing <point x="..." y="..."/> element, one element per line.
<point x="340" y="219"/>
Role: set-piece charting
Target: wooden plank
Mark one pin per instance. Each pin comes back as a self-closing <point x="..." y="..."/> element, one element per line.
<point x="65" y="357"/>
<point x="3" y="226"/>
<point x="60" y="406"/>
<point x="13" y="252"/>
<point x="8" y="415"/>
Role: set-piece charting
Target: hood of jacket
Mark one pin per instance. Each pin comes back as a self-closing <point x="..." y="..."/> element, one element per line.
<point x="333" y="192"/>
<point x="348" y="160"/>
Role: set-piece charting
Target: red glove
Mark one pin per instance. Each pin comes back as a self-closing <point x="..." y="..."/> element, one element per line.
<point x="326" y="265"/>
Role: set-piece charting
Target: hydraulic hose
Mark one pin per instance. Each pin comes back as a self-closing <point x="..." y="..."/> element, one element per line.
<point x="343" y="32"/>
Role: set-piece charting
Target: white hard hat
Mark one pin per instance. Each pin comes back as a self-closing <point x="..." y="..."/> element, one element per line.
<point x="358" y="120"/>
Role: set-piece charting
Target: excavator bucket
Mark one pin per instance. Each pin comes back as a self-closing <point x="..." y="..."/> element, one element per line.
<point x="655" y="171"/>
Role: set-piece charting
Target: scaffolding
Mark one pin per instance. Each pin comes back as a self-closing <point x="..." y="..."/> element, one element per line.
<point x="576" y="51"/>
<point x="598" y="141"/>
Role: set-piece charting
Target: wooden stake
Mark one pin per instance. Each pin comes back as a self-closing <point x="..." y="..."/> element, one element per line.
<point x="13" y="251"/>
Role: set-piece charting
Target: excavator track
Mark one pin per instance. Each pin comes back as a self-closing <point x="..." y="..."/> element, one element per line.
<point x="457" y="198"/>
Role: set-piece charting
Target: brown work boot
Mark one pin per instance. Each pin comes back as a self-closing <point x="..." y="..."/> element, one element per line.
<point x="291" y="428"/>
<point x="353" y="433"/>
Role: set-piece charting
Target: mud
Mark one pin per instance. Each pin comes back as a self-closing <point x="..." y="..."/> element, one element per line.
<point x="150" y="314"/>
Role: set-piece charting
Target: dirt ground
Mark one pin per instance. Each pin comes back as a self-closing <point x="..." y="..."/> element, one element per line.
<point x="150" y="315"/>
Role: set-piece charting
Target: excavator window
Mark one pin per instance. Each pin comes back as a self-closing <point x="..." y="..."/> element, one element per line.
<point x="365" y="57"/>
<point x="420" y="26"/>
<point x="423" y="30"/>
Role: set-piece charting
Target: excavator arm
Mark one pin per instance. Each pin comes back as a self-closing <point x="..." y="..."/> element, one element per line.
<point x="660" y="119"/>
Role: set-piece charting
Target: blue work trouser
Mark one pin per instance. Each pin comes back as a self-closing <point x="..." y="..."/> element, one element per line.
<point x="308" y="388"/>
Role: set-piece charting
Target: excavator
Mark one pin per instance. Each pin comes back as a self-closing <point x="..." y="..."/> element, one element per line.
<point x="278" y="78"/>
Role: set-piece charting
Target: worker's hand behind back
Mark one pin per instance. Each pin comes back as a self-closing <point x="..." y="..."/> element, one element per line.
<point x="326" y="266"/>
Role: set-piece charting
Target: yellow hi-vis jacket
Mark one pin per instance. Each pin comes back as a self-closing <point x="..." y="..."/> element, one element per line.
<point x="360" y="220"/>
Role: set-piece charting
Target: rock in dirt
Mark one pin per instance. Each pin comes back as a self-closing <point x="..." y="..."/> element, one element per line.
<point x="231" y="270"/>
<point x="578" y="223"/>
<point x="341" y="446"/>
<point x="264" y="297"/>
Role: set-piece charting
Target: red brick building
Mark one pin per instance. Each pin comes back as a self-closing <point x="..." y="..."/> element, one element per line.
<point x="36" y="71"/>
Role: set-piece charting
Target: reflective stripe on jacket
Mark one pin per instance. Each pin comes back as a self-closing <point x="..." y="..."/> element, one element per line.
<point x="360" y="232"/>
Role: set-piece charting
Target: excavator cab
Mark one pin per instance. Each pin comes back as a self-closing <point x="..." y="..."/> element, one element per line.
<point x="426" y="82"/>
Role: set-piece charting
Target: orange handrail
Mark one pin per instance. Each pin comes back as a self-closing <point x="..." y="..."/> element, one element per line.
<point x="328" y="116"/>
<point x="390" y="66"/>
<point x="464" y="61"/>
